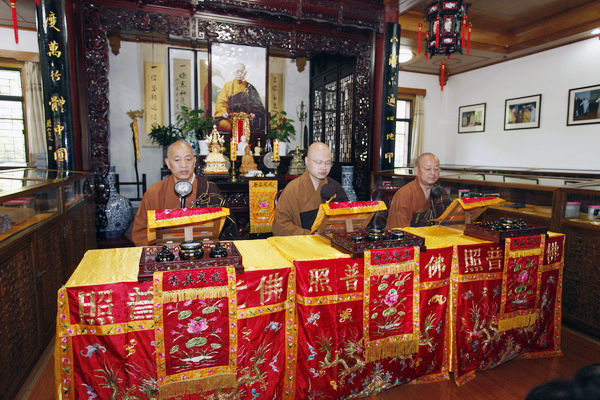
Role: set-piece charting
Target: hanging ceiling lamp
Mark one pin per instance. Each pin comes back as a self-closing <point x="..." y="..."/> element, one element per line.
<point x="447" y="29"/>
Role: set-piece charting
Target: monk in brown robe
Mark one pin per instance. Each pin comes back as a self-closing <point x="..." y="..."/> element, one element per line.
<point x="419" y="202"/>
<point x="299" y="202"/>
<point x="181" y="162"/>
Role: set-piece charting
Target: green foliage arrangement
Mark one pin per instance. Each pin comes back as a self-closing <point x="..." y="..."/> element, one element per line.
<point x="194" y="120"/>
<point x="165" y="135"/>
<point x="280" y="127"/>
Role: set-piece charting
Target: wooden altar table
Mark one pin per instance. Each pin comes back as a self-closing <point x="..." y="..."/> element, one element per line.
<point x="305" y="320"/>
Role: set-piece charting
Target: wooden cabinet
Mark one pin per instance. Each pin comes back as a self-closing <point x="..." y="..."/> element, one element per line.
<point x="37" y="256"/>
<point x="537" y="197"/>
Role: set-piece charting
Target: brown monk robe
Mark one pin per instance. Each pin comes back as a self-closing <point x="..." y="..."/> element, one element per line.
<point x="410" y="207"/>
<point x="419" y="202"/>
<point x="162" y="195"/>
<point x="181" y="162"/>
<point x="299" y="202"/>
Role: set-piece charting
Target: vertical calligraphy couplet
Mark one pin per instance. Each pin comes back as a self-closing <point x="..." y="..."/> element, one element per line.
<point x="389" y="93"/>
<point x="54" y="61"/>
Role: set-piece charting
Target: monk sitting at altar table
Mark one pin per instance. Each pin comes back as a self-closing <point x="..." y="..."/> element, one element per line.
<point x="419" y="202"/>
<point x="161" y="195"/>
<point x="299" y="202"/>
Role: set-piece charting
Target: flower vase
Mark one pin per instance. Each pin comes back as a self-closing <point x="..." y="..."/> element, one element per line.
<point x="191" y="139"/>
<point x="282" y="149"/>
<point x="347" y="181"/>
<point x="203" y="147"/>
<point x="119" y="212"/>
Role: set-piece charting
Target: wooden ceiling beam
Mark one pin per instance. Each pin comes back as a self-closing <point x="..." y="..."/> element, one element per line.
<point x="481" y="39"/>
<point x="569" y="23"/>
<point x="406" y="5"/>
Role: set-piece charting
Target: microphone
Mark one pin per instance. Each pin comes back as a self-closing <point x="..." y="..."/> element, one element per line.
<point x="183" y="189"/>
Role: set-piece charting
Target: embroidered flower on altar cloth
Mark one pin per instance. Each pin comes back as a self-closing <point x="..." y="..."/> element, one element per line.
<point x="197" y="326"/>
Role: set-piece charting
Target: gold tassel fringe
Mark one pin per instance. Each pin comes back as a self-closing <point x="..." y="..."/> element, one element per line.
<point x="390" y="269"/>
<point x="525" y="253"/>
<point x="261" y="229"/>
<point x="393" y="349"/>
<point x="195" y="294"/>
<point x="183" y="388"/>
<point x="516" y="322"/>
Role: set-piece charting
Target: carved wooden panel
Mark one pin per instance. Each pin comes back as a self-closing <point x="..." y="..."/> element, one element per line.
<point x="581" y="304"/>
<point x="49" y="274"/>
<point x="19" y="341"/>
<point x="99" y="20"/>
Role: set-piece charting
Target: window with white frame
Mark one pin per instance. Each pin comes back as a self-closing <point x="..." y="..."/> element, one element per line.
<point x="13" y="143"/>
<point x="404" y="123"/>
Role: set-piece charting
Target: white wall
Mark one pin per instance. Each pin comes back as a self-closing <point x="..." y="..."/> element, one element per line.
<point x="126" y="89"/>
<point x="27" y="40"/>
<point x="554" y="145"/>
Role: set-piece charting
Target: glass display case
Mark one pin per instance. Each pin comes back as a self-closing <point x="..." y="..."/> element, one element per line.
<point x="24" y="203"/>
<point x="580" y="205"/>
<point x="529" y="194"/>
<point x="29" y="196"/>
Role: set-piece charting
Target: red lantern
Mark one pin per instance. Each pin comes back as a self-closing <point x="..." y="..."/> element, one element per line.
<point x="442" y="74"/>
<point x="419" y="39"/>
<point x="13" y="6"/>
<point x="469" y="39"/>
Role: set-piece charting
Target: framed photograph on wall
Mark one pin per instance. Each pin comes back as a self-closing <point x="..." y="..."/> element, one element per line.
<point x="238" y="84"/>
<point x="584" y="106"/>
<point x="471" y="118"/>
<point x="523" y="112"/>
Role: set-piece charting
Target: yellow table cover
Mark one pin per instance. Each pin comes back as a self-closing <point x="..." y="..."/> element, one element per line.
<point x="305" y="248"/>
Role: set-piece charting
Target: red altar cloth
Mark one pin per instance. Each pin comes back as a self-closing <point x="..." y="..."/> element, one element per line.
<point x="336" y="328"/>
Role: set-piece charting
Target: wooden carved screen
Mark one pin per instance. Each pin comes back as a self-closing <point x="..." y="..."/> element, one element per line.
<point x="332" y="106"/>
<point x="98" y="20"/>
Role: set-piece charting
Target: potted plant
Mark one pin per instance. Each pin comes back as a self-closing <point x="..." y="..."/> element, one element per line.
<point x="195" y="124"/>
<point x="165" y="135"/>
<point x="281" y="128"/>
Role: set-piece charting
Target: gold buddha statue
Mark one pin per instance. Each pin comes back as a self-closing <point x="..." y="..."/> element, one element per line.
<point x="215" y="161"/>
<point x="248" y="163"/>
<point x="297" y="166"/>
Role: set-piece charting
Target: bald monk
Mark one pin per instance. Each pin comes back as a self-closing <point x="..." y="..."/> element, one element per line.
<point x="299" y="202"/>
<point x="419" y="202"/>
<point x="181" y="162"/>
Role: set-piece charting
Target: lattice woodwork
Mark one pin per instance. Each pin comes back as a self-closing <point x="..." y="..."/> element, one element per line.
<point x="99" y="20"/>
<point x="581" y="278"/>
<point x="19" y="341"/>
<point x="49" y="275"/>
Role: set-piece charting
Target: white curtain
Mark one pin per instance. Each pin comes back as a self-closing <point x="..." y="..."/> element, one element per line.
<point x="36" y="138"/>
<point x="416" y="145"/>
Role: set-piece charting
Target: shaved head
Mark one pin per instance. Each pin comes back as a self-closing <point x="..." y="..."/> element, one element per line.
<point x="318" y="162"/>
<point x="181" y="160"/>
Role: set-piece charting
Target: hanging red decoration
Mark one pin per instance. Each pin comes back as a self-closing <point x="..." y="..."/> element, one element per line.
<point x="447" y="21"/>
<point x="437" y="33"/>
<point x="13" y="6"/>
<point x="442" y="73"/>
<point x="469" y="39"/>
<point x="419" y="38"/>
<point x="462" y="31"/>
<point x="37" y="2"/>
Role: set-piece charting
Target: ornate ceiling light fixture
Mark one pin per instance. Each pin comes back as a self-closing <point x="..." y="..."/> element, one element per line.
<point x="447" y="29"/>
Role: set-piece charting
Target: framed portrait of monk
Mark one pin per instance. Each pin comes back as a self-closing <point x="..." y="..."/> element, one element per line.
<point x="239" y="85"/>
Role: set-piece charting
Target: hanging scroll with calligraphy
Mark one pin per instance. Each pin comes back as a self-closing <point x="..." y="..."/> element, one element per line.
<point x="390" y="95"/>
<point x="154" y="89"/>
<point x="54" y="62"/>
<point x="275" y="92"/>
<point x="182" y="80"/>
